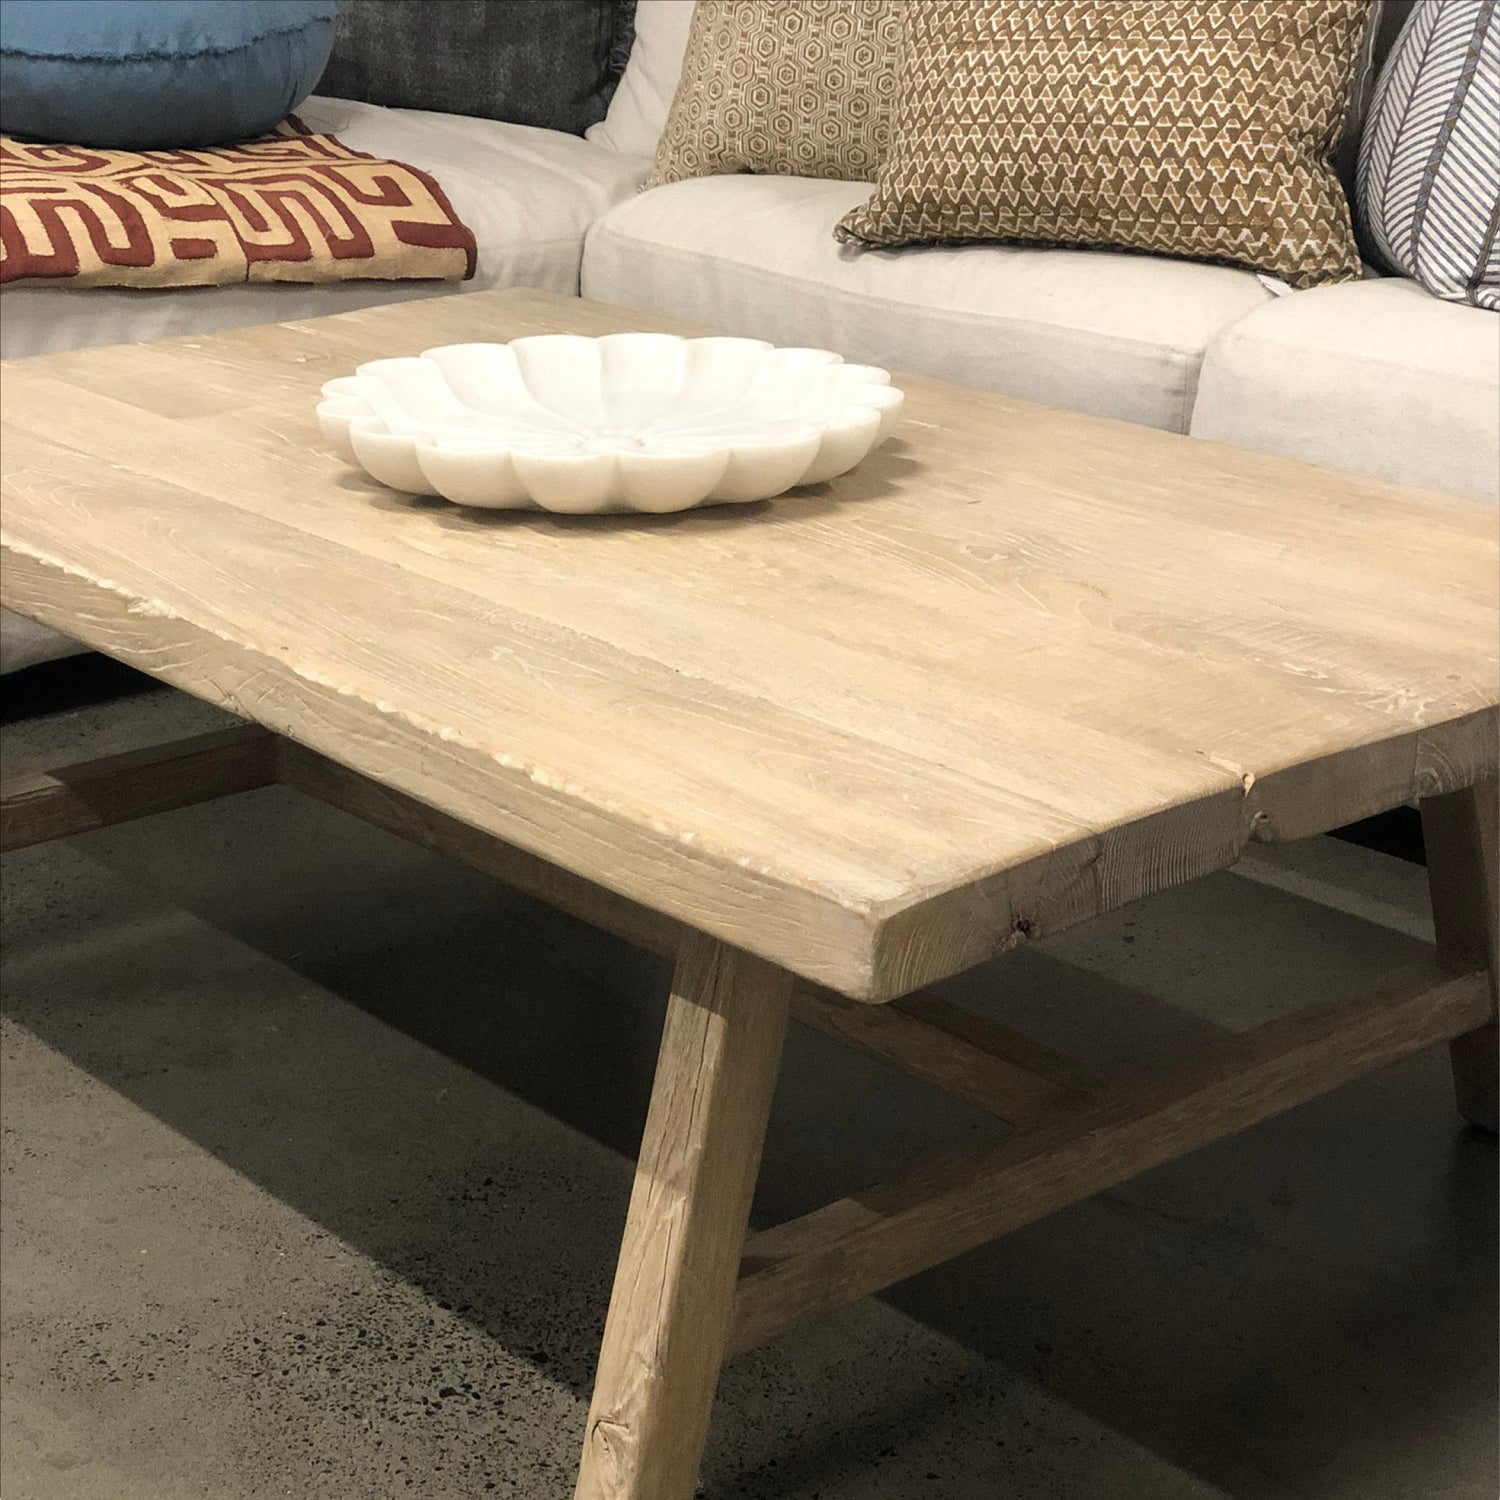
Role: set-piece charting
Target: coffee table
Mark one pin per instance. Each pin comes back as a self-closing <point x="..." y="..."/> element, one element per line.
<point x="1017" y="670"/>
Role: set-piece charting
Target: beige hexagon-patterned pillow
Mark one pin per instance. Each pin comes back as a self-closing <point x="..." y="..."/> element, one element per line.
<point x="797" y="88"/>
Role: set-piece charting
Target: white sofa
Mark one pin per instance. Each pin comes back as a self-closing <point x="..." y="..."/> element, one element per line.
<point x="1374" y="376"/>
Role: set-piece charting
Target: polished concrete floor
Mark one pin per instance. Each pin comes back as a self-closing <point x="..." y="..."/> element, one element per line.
<point x="317" y="1148"/>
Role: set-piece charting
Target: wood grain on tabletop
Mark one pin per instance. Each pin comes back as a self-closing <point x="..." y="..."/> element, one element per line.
<point x="1019" y="667"/>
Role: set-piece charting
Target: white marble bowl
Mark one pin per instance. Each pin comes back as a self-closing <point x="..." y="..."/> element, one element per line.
<point x="632" y="421"/>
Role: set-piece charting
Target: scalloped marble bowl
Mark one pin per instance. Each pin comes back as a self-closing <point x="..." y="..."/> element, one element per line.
<point x="632" y="421"/>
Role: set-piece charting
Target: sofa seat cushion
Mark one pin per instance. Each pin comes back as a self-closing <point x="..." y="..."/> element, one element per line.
<point x="1375" y="376"/>
<point x="1111" y="334"/>
<point x="529" y="195"/>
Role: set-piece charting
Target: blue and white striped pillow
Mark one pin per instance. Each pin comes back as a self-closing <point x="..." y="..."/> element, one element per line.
<point x="1429" y="164"/>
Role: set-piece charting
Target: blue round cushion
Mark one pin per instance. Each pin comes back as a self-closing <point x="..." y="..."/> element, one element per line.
<point x="157" y="74"/>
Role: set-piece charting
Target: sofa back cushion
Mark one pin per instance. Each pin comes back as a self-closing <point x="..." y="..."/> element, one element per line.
<point x="530" y="62"/>
<point x="638" y="110"/>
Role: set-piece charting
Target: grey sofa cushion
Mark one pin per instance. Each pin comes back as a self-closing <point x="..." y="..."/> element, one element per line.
<point x="552" y="63"/>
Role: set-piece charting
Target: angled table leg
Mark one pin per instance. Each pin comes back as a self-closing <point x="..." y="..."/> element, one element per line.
<point x="1460" y="832"/>
<point x="674" y="1286"/>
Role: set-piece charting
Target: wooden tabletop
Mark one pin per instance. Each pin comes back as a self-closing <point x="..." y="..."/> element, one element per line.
<point x="1018" y="668"/>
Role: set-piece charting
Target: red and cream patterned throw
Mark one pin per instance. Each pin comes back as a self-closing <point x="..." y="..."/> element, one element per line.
<point x="294" y="206"/>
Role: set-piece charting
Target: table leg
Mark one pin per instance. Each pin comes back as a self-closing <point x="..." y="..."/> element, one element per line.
<point x="674" y="1286"/>
<point x="1461" y="835"/>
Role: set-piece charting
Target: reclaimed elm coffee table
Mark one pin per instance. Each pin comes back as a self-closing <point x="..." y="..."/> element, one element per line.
<point x="1018" y="669"/>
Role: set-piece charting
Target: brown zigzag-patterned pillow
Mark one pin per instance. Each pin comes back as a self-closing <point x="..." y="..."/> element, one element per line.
<point x="799" y="88"/>
<point x="1197" y="128"/>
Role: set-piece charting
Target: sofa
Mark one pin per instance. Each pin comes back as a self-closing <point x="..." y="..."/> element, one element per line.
<point x="1373" y="375"/>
